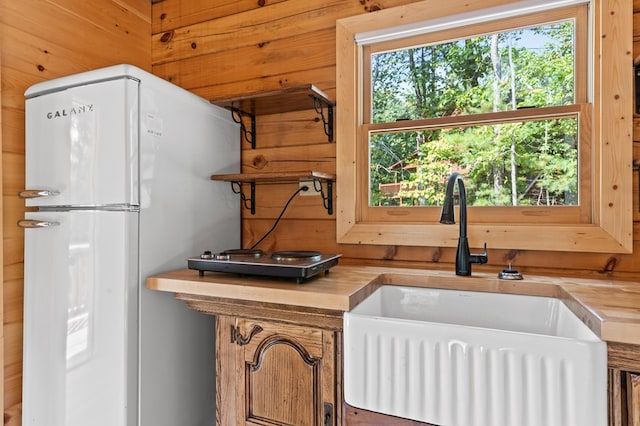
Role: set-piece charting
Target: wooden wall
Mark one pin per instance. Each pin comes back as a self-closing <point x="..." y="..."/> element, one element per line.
<point x="248" y="46"/>
<point x="40" y="40"/>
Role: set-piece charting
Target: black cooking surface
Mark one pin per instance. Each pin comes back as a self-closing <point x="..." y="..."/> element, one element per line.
<point x="298" y="265"/>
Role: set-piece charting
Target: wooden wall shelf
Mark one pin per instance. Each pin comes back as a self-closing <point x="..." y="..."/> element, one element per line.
<point x="275" y="102"/>
<point x="320" y="181"/>
<point x="284" y="177"/>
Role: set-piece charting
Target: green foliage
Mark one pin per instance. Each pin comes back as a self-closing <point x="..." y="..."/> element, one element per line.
<point x="460" y="77"/>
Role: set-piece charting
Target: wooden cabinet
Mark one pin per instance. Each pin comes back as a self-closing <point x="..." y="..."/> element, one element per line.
<point x="624" y="385"/>
<point x="278" y="374"/>
<point x="624" y="398"/>
<point x="280" y="364"/>
<point x="275" y="364"/>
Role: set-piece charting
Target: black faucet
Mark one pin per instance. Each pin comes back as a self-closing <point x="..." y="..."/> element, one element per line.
<point x="464" y="258"/>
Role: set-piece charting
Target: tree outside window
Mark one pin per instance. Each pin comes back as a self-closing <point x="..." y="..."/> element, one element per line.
<point x="507" y="159"/>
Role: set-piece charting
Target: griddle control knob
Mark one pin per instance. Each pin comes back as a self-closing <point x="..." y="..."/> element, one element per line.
<point x="206" y="255"/>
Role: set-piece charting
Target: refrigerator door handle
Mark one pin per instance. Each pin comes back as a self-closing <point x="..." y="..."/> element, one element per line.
<point x="36" y="193"/>
<point x="32" y="224"/>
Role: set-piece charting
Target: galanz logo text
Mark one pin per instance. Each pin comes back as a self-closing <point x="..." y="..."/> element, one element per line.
<point x="69" y="112"/>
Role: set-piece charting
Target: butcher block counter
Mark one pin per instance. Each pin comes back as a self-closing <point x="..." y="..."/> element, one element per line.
<point x="610" y="308"/>
<point x="273" y="336"/>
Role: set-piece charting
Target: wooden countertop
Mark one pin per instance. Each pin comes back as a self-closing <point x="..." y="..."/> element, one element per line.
<point x="610" y="308"/>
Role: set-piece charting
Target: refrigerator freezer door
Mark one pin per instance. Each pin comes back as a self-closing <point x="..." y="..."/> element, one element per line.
<point x="80" y="322"/>
<point x="82" y="145"/>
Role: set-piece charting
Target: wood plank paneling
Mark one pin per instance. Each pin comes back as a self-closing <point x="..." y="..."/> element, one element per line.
<point x="96" y="34"/>
<point x="259" y="48"/>
<point x="319" y="157"/>
<point x="322" y="77"/>
<point x="2" y="372"/>
<point x="294" y="232"/>
<point x="295" y="54"/>
<point x="41" y="40"/>
<point x="139" y="9"/>
<point x="636" y="186"/>
<point x="13" y="129"/>
<point x="168" y="15"/>
<point x="296" y="128"/>
<point x="258" y="26"/>
<point x="270" y="200"/>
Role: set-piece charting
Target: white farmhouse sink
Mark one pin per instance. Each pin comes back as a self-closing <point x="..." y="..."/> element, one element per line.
<point x="461" y="358"/>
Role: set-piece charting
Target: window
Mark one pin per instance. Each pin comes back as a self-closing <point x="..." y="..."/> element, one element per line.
<point x="499" y="102"/>
<point x="514" y="95"/>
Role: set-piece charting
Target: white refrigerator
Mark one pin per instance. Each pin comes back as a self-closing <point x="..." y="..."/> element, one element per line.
<point x="118" y="166"/>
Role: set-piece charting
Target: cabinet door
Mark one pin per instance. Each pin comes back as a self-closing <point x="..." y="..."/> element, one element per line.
<point x="285" y="374"/>
<point x="624" y="398"/>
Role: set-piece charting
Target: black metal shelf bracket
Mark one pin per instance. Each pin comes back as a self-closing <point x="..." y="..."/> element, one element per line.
<point x="320" y="105"/>
<point x="248" y="203"/>
<point x="248" y="135"/>
<point x="327" y="199"/>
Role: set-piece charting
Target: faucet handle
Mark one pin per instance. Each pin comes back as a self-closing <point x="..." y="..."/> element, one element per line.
<point x="480" y="258"/>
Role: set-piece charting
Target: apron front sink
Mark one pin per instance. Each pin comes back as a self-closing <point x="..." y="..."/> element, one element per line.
<point x="464" y="358"/>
